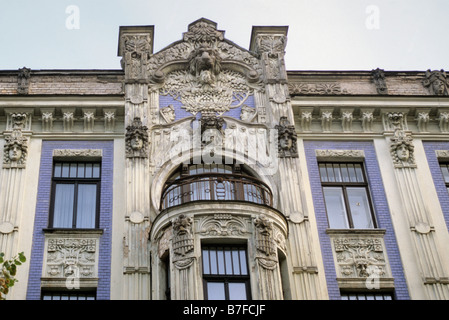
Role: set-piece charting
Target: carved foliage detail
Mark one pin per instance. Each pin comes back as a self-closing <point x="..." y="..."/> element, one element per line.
<point x="360" y="257"/>
<point x="71" y="257"/>
<point x="265" y="242"/>
<point x="222" y="225"/>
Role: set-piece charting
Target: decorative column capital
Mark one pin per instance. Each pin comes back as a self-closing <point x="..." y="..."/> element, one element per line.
<point x="135" y="48"/>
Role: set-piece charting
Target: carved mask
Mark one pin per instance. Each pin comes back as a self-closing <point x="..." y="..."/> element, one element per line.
<point x="15" y="152"/>
<point x="136" y="142"/>
<point x="403" y="152"/>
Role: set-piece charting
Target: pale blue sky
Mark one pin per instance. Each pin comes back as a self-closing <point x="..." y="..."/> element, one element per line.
<point x="323" y="34"/>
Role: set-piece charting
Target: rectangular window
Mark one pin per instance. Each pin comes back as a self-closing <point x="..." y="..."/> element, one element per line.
<point x="346" y="195"/>
<point x="225" y="273"/>
<point x="366" y="296"/>
<point x="75" y="195"/>
<point x="445" y="170"/>
<point x="68" y="295"/>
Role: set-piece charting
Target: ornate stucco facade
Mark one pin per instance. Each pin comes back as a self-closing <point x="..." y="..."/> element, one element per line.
<point x="207" y="146"/>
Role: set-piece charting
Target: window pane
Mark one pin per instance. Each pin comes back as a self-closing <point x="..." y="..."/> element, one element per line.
<point x="330" y="172"/>
<point x="445" y="170"/>
<point x="228" y="259"/>
<point x="323" y="172"/>
<point x="88" y="170"/>
<point x="360" y="209"/>
<point x="345" y="173"/>
<point x="244" y="270"/>
<point x="96" y="171"/>
<point x="335" y="207"/>
<point x="86" y="206"/>
<point x="213" y="261"/>
<point x="237" y="291"/>
<point x="358" y="172"/>
<point x="65" y="170"/>
<point x="206" y="269"/>
<point x="81" y="170"/>
<point x="352" y="174"/>
<point x="57" y="172"/>
<point x="73" y="167"/>
<point x="215" y="291"/>
<point x="236" y="261"/>
<point x="220" y="261"/>
<point x="63" y="207"/>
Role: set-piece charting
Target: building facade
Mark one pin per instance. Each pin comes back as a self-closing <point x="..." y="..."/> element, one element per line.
<point x="209" y="171"/>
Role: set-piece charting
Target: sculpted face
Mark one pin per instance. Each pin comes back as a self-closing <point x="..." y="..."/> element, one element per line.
<point x="136" y="142"/>
<point x="15" y="152"/>
<point x="438" y="87"/>
<point x="286" y="142"/>
<point x="403" y="152"/>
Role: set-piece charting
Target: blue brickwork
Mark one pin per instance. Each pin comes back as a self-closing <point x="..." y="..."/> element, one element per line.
<point x="181" y="113"/>
<point x="434" y="166"/>
<point x="42" y="214"/>
<point x="380" y="207"/>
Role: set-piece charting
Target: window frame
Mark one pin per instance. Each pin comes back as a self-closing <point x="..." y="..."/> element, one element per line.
<point x="226" y="279"/>
<point x="344" y="185"/>
<point x="446" y="165"/>
<point x="89" y="295"/>
<point x="76" y="181"/>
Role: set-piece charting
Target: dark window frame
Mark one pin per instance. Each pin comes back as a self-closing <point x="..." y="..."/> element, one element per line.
<point x="446" y="181"/>
<point x="76" y="181"/>
<point x="344" y="185"/>
<point x="51" y="294"/>
<point x="226" y="279"/>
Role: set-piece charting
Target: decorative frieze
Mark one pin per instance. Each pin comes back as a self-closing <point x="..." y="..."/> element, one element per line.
<point x="68" y="119"/>
<point x="88" y="119"/>
<point x="340" y="155"/>
<point x="71" y="258"/>
<point x="77" y="153"/>
<point x="361" y="259"/>
<point x="367" y="119"/>
<point x="346" y="119"/>
<point x="422" y="120"/>
<point x="324" y="88"/>
<point x="222" y="225"/>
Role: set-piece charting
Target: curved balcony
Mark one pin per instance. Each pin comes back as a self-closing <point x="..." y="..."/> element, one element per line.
<point x="215" y="187"/>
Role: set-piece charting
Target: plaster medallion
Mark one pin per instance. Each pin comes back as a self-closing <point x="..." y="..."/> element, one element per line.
<point x="422" y="227"/>
<point x="6" y="227"/>
<point x="297" y="217"/>
<point x="136" y="217"/>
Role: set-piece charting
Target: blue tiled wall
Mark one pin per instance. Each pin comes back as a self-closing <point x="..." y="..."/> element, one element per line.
<point x="43" y="206"/>
<point x="380" y="207"/>
<point x="437" y="176"/>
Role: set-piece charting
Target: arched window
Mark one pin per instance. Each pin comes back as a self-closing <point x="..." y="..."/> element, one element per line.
<point x="214" y="182"/>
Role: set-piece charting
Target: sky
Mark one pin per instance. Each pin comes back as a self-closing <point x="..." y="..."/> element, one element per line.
<point x="394" y="35"/>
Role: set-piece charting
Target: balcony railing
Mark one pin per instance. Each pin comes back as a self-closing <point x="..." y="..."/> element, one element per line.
<point x="215" y="187"/>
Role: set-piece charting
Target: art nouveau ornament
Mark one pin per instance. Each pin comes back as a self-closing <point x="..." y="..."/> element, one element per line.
<point x="15" y="148"/>
<point x="286" y="139"/>
<point x="136" y="140"/>
<point x="437" y="82"/>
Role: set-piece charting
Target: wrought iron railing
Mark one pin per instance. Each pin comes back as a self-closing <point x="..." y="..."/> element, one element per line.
<point x="215" y="187"/>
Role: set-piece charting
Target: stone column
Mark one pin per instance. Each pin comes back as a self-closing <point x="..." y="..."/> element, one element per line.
<point x="12" y="179"/>
<point x="269" y="43"/>
<point x="135" y="47"/>
<point x="422" y="237"/>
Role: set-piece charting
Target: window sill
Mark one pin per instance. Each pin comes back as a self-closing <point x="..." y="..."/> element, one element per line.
<point x="72" y="231"/>
<point x="373" y="231"/>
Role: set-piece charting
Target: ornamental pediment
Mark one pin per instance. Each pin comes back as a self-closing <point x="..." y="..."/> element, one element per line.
<point x="201" y="38"/>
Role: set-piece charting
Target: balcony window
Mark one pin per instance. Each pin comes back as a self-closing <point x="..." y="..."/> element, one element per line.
<point x="214" y="182"/>
<point x="225" y="273"/>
